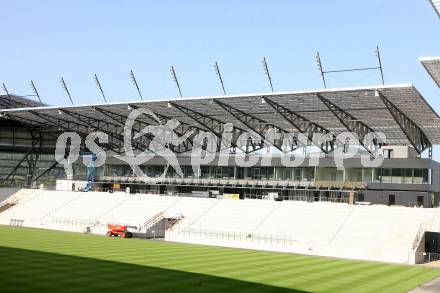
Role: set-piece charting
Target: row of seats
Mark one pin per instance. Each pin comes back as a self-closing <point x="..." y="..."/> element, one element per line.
<point x="207" y="181"/>
<point x="325" y="228"/>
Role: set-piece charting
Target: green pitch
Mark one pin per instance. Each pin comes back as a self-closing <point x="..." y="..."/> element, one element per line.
<point x="33" y="260"/>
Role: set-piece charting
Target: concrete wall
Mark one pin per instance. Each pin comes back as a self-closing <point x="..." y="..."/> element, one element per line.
<point x="402" y="197"/>
<point x="401" y="151"/>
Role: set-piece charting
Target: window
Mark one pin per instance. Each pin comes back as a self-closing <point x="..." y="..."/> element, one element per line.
<point x="368" y="175"/>
<point x="407" y="175"/>
<point x="391" y="199"/>
<point x="397" y="175"/>
<point x="386" y="175"/>
<point x="354" y="175"/>
<point x="420" y="200"/>
<point x="377" y="175"/>
<point x="204" y="172"/>
<point x="270" y="173"/>
<point x="240" y="172"/>
<point x="297" y="174"/>
<point x="224" y="172"/>
<point x="284" y="173"/>
<point x="426" y="176"/>
<point x="421" y="176"/>
<point x="308" y="174"/>
<point x="256" y="173"/>
<point x="388" y="153"/>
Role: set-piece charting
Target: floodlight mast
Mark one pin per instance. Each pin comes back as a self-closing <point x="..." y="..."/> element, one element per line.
<point x="34" y="89"/>
<point x="174" y="77"/>
<point x="324" y="72"/>
<point x="217" y="71"/>
<point x="63" y="84"/>
<point x="95" y="77"/>
<point x="133" y="79"/>
<point x="7" y="92"/>
<point x="379" y="61"/>
<point x="318" y="61"/>
<point x="266" y="70"/>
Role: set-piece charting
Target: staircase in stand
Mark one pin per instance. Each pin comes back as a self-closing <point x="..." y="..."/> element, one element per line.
<point x="174" y="221"/>
<point x="266" y="217"/>
<point x="6" y="206"/>
<point x="342" y="225"/>
<point x="150" y="222"/>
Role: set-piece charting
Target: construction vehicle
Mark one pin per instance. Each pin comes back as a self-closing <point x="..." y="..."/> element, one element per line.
<point x="115" y="230"/>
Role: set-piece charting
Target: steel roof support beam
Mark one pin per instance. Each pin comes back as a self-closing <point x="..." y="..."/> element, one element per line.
<point x="45" y="172"/>
<point x="87" y="122"/>
<point x="35" y="140"/>
<point x="12" y="103"/>
<point x="214" y="125"/>
<point x="30" y="123"/>
<point x="5" y="103"/>
<point x="413" y="132"/>
<point x="257" y="125"/>
<point x="60" y="124"/>
<point x="350" y="122"/>
<point x="304" y="125"/>
<point x="181" y="130"/>
<point x="121" y="119"/>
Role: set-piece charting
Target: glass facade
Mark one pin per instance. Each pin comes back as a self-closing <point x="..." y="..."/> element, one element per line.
<point x="402" y="175"/>
<point x="299" y="174"/>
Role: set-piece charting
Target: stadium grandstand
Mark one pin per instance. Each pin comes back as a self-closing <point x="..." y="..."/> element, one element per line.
<point x="398" y="111"/>
<point x="288" y="172"/>
<point x="349" y="211"/>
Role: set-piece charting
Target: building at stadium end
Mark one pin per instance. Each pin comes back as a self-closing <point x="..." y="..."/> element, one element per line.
<point x="407" y="176"/>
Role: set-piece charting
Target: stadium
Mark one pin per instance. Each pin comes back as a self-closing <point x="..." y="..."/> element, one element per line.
<point x="324" y="190"/>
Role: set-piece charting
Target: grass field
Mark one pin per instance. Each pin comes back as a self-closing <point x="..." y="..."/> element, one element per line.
<point x="33" y="260"/>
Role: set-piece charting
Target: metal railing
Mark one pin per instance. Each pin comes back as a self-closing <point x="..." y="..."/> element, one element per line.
<point x="78" y="222"/>
<point x="152" y="221"/>
<point x="236" y="236"/>
<point x="235" y="181"/>
<point x="424" y="227"/>
<point x="16" y="223"/>
<point x="419" y="236"/>
<point x="426" y="257"/>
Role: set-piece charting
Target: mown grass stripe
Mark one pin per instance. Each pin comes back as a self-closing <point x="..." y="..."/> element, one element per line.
<point x="32" y="259"/>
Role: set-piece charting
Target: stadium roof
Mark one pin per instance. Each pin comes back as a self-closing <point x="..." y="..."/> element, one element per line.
<point x="399" y="111"/>
<point x="432" y="65"/>
<point x="436" y="5"/>
<point x="14" y="101"/>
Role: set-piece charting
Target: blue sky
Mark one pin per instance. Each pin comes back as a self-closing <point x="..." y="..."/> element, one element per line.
<point x="42" y="40"/>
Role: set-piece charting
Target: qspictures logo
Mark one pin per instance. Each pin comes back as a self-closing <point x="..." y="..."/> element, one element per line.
<point x="162" y="140"/>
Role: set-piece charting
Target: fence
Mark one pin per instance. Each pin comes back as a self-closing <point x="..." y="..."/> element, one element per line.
<point x="16" y="223"/>
<point x="236" y="236"/>
<point x="79" y="222"/>
<point x="425" y="257"/>
<point x="424" y="227"/>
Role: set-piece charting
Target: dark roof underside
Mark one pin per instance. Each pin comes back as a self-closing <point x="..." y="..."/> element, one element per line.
<point x="362" y="103"/>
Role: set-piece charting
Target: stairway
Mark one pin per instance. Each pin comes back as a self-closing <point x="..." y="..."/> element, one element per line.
<point x="152" y="221"/>
<point x="342" y="225"/>
<point x="6" y="206"/>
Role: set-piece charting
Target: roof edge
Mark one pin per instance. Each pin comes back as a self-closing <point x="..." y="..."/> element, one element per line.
<point x="174" y="99"/>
